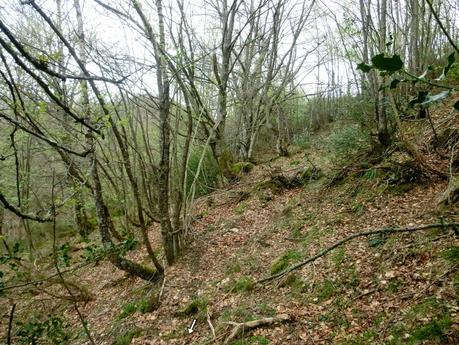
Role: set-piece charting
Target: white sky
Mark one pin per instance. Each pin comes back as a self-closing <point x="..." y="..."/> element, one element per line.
<point x="122" y="40"/>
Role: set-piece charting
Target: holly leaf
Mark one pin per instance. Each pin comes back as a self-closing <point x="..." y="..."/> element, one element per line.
<point x="419" y="99"/>
<point x="451" y="60"/>
<point x="364" y="67"/>
<point x="389" y="64"/>
<point x="394" y="83"/>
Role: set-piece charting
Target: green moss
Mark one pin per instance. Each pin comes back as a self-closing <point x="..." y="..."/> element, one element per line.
<point x="285" y="260"/>
<point x="401" y="188"/>
<point x="393" y="286"/>
<point x="312" y="234"/>
<point x="242" y="168"/>
<point x="435" y="329"/>
<point x="359" y="209"/>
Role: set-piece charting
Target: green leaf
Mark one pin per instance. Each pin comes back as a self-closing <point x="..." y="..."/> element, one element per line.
<point x="456" y="105"/>
<point x="364" y="67"/>
<point x="419" y="99"/>
<point x="451" y="60"/>
<point x="389" y="64"/>
<point x="394" y="83"/>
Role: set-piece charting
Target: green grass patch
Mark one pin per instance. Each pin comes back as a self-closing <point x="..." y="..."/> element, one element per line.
<point x="285" y="260"/>
<point x="232" y="268"/>
<point x="143" y="305"/>
<point x="128" y="309"/>
<point x="240" y="208"/>
<point x="451" y="254"/>
<point x="239" y="314"/>
<point x="197" y="305"/>
<point x="253" y="340"/>
<point x="243" y="284"/>
<point x="325" y="290"/>
<point x="434" y="330"/>
<point x="126" y="338"/>
<point x="337" y="256"/>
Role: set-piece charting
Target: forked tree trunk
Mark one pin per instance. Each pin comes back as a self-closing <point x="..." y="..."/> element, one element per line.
<point x="103" y="215"/>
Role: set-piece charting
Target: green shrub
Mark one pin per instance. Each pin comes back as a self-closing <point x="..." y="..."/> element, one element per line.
<point x="302" y="140"/>
<point x="54" y="329"/>
<point x="347" y="141"/>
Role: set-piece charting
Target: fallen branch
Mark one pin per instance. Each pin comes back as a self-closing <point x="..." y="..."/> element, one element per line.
<point x="210" y="325"/>
<point x="325" y="251"/>
<point x="241" y="327"/>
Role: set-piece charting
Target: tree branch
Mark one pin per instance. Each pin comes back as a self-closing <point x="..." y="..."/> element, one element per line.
<point x="20" y="214"/>
<point x="325" y="251"/>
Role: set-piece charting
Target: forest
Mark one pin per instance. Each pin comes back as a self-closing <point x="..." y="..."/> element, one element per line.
<point x="229" y="172"/>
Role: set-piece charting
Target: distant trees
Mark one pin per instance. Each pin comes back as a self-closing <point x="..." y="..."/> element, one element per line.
<point x="118" y="128"/>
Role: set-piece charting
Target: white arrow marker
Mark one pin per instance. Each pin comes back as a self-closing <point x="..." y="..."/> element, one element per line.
<point x="190" y="329"/>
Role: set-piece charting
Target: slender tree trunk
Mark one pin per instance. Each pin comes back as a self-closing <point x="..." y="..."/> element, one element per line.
<point x="383" y="131"/>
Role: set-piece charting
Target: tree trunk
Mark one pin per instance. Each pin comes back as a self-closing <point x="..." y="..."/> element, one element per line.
<point x="381" y="114"/>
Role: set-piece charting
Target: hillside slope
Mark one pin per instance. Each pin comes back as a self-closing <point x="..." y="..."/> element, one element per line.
<point x="382" y="289"/>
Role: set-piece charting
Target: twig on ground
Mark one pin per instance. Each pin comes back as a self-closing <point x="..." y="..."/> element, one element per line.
<point x="162" y="289"/>
<point x="212" y="329"/>
<point x="363" y="294"/>
<point x="240" y="327"/>
<point x="325" y="251"/>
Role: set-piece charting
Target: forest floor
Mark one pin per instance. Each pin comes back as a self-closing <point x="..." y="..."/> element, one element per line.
<point x="393" y="289"/>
